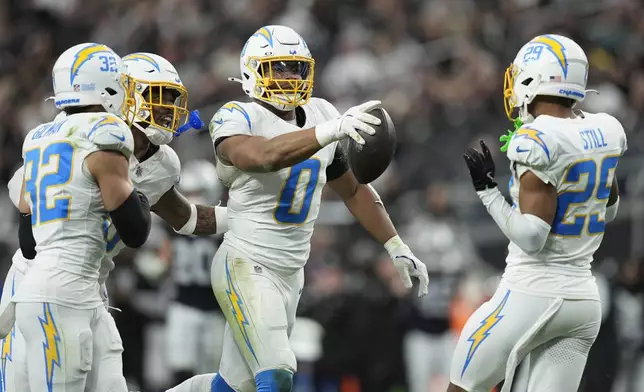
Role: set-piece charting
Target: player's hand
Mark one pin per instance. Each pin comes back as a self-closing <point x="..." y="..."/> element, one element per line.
<point x="481" y="166"/>
<point x="353" y="120"/>
<point x="407" y="265"/>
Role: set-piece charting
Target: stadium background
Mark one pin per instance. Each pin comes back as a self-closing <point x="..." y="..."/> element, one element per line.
<point x="438" y="66"/>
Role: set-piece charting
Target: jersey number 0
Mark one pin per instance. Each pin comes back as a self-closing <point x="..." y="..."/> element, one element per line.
<point x="288" y="209"/>
<point x="43" y="210"/>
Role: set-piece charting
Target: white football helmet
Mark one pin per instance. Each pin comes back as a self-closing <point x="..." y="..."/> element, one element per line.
<point x="547" y="65"/>
<point x="90" y="74"/>
<point x="199" y="182"/>
<point x="150" y="77"/>
<point x="277" y="68"/>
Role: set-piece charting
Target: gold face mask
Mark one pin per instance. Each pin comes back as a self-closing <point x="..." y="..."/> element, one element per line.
<point x="508" y="90"/>
<point x="163" y="105"/>
<point x="285" y="80"/>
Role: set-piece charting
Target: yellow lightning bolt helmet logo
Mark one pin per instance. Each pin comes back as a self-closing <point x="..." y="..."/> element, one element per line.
<point x="50" y="345"/>
<point x="483" y="331"/>
<point x="266" y="33"/>
<point x="535" y="136"/>
<point x="238" y="312"/>
<point x="84" y="55"/>
<point x="143" y="57"/>
<point x="556" y="48"/>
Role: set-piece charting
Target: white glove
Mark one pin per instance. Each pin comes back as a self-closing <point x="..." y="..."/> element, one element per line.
<point x="348" y="124"/>
<point x="407" y="264"/>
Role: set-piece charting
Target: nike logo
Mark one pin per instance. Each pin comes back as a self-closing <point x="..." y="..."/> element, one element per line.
<point x="120" y="137"/>
<point x="519" y="149"/>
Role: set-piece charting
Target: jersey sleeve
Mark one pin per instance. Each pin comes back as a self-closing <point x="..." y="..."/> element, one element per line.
<point x="531" y="149"/>
<point x="160" y="179"/>
<point x="231" y="119"/>
<point x="110" y="133"/>
<point x="619" y="129"/>
<point x="15" y="185"/>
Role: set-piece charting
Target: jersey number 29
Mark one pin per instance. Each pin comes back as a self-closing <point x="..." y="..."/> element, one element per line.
<point x="596" y="185"/>
<point x="43" y="210"/>
<point x="288" y="209"/>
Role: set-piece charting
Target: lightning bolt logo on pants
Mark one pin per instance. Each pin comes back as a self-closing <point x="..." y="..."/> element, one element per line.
<point x="483" y="331"/>
<point x="50" y="345"/>
<point x="7" y="345"/>
<point x="238" y="311"/>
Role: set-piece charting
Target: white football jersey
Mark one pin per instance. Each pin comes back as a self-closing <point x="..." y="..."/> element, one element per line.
<point x="579" y="157"/>
<point x="67" y="208"/>
<point x="271" y="215"/>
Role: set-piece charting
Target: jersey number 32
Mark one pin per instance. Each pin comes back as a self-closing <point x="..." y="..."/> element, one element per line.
<point x="43" y="210"/>
<point x="596" y="186"/>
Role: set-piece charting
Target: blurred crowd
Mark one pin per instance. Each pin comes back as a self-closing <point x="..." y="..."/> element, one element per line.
<point x="438" y="67"/>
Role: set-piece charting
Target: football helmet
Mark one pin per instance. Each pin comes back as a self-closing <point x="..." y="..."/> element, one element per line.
<point x="91" y="74"/>
<point x="277" y="68"/>
<point x="199" y="182"/>
<point x="547" y="65"/>
<point x="150" y="77"/>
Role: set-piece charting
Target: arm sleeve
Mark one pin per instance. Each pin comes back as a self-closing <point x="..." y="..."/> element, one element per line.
<point x="527" y="231"/>
<point x="26" y="237"/>
<point x="132" y="220"/>
<point x="339" y="166"/>
<point x="232" y="119"/>
<point x="611" y="211"/>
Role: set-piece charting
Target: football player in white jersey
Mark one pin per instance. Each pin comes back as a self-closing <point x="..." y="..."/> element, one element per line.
<point x="154" y="177"/>
<point x="275" y="154"/>
<point x="564" y="191"/>
<point x="75" y="174"/>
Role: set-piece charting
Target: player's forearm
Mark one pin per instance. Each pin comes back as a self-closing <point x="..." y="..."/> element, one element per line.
<point x="186" y="218"/>
<point x="527" y="231"/>
<point x="288" y="150"/>
<point x="367" y="208"/>
<point x="211" y="220"/>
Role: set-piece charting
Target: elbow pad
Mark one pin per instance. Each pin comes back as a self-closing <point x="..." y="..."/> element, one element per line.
<point x="132" y="220"/>
<point x="26" y="237"/>
<point x="611" y="211"/>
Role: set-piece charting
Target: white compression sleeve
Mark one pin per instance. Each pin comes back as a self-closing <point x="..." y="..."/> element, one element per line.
<point x="527" y="231"/>
<point x="611" y="211"/>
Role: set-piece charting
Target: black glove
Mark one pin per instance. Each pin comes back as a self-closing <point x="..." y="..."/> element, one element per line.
<point x="481" y="166"/>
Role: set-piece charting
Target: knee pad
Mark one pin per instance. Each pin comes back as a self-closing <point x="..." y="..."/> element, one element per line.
<point x="274" y="380"/>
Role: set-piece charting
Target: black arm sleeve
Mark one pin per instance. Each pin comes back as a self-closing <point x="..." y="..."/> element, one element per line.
<point x="339" y="166"/>
<point x="132" y="220"/>
<point x="26" y="237"/>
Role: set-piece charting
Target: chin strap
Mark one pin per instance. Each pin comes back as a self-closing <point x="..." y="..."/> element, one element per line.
<point x="237" y="80"/>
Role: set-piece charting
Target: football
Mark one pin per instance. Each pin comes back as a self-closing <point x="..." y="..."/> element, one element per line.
<point x="370" y="160"/>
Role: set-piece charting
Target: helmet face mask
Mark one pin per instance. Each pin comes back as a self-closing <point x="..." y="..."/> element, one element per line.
<point x="161" y="100"/>
<point x="549" y="65"/>
<point x="277" y="68"/>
